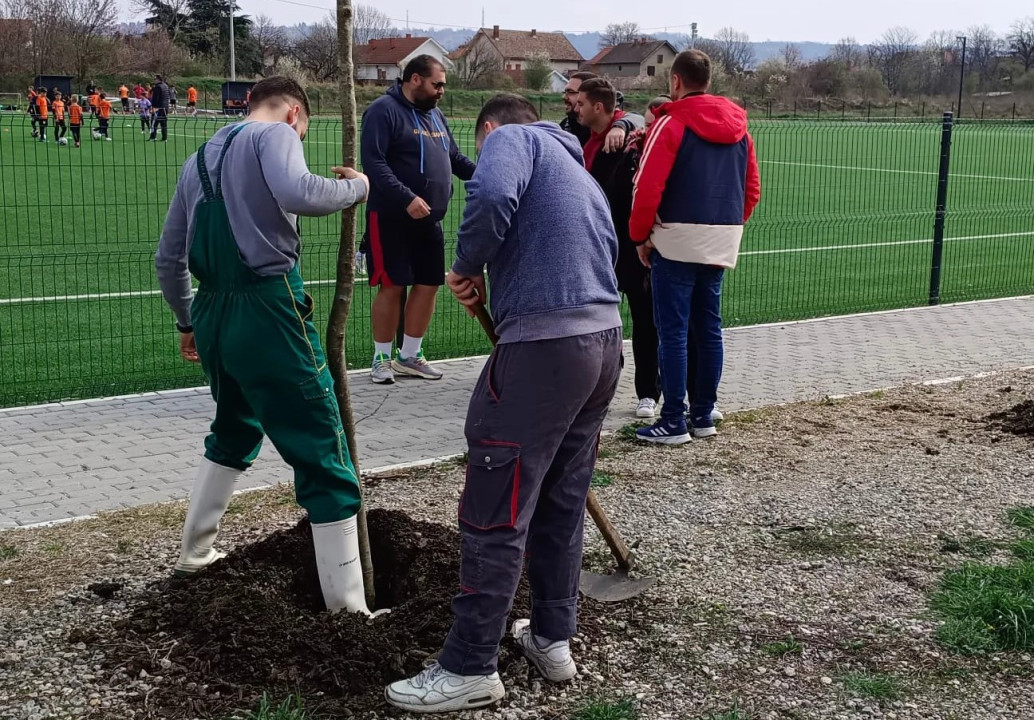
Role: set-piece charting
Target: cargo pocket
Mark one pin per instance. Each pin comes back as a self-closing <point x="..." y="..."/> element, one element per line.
<point x="489" y="499"/>
<point x="319" y="387"/>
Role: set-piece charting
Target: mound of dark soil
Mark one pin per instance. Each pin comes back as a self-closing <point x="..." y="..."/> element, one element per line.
<point x="1018" y="420"/>
<point x="254" y="622"/>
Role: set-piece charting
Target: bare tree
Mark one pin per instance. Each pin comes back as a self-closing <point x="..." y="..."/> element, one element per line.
<point x="847" y="53"/>
<point x="155" y="52"/>
<point x="984" y="49"/>
<point x="791" y="56"/>
<point x="891" y="55"/>
<point x="45" y="18"/>
<point x="1021" y="42"/>
<point x="317" y="52"/>
<point x="476" y="65"/>
<point x="272" y="40"/>
<point x="15" y="41"/>
<point x="370" y="24"/>
<point x="618" y="33"/>
<point x="731" y="48"/>
<point x="87" y="23"/>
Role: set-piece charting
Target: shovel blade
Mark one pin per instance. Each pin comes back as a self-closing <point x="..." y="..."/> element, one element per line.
<point x="613" y="588"/>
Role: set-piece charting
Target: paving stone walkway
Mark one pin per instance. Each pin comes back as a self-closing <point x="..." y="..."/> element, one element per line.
<point x="72" y="459"/>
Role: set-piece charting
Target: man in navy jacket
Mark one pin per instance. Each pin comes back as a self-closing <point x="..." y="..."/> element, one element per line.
<point x="410" y="157"/>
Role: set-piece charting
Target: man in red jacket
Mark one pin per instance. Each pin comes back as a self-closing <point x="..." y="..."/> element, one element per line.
<point x="697" y="185"/>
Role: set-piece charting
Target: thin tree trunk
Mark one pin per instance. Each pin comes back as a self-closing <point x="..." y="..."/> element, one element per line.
<point x="343" y="289"/>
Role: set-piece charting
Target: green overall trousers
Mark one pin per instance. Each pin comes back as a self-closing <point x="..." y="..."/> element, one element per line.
<point x="263" y="360"/>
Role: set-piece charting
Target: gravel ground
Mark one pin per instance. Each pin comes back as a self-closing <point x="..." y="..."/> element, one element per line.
<point x="830" y="522"/>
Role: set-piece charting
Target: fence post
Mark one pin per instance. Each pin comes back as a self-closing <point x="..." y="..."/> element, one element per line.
<point x="794" y="109"/>
<point x="895" y="109"/>
<point x="942" y="207"/>
<point x="1014" y="111"/>
<point x="769" y="109"/>
<point x="982" y="104"/>
<point x="868" y="111"/>
<point x="924" y="110"/>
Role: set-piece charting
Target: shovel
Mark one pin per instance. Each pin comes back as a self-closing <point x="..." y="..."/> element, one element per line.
<point x="618" y="585"/>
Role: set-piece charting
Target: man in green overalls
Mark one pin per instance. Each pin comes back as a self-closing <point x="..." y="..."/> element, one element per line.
<point x="233" y="224"/>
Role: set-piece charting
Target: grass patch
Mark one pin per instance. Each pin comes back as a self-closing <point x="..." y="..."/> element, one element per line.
<point x="871" y="685"/>
<point x="601" y="480"/>
<point x="600" y="709"/>
<point x="788" y="646"/>
<point x="627" y="432"/>
<point x="733" y="713"/>
<point x="970" y="545"/>
<point x="982" y="602"/>
<point x="1024" y="550"/>
<point x="8" y="552"/>
<point x="291" y="708"/>
<point x="1023" y="518"/>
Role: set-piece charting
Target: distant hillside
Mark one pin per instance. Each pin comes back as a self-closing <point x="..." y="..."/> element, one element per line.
<point x="588" y="44"/>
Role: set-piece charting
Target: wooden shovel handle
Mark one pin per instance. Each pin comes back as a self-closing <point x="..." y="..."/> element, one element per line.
<point x="618" y="548"/>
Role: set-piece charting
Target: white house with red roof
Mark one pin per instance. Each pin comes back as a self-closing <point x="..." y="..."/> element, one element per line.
<point x="383" y="60"/>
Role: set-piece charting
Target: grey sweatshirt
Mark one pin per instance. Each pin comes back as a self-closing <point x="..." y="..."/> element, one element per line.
<point x="543" y="227"/>
<point x="266" y="185"/>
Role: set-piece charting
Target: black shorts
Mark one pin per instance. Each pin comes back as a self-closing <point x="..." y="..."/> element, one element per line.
<point x="125" y="103"/>
<point x="403" y="252"/>
<point x="192" y="104"/>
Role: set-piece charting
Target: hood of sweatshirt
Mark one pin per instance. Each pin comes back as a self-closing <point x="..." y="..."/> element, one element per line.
<point x="569" y="141"/>
<point x="713" y="118"/>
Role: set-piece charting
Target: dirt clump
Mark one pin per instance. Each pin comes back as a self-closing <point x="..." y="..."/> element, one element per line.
<point x="254" y="623"/>
<point x="1018" y="420"/>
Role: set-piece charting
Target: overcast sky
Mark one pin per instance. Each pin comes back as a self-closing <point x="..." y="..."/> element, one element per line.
<point x="797" y="20"/>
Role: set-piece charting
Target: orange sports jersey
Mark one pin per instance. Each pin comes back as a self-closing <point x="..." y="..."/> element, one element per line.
<point x="75" y="114"/>
<point x="41" y="106"/>
<point x="123" y="92"/>
<point x="105" y="108"/>
<point x="93" y="99"/>
<point x="59" y="109"/>
<point x="191" y="94"/>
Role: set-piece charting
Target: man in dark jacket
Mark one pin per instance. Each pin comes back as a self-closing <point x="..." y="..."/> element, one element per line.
<point x="615" y="138"/>
<point x="543" y="229"/>
<point x="410" y="157"/>
<point x="697" y="185"/>
<point x="160" y="99"/>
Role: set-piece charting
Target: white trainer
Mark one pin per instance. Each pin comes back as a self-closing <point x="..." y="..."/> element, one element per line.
<point x="646" y="409"/>
<point x="436" y="690"/>
<point x="554" y="661"/>
<point x="716" y="415"/>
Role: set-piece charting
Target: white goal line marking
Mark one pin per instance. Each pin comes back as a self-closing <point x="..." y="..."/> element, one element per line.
<point x="780" y="251"/>
<point x="888" y="170"/>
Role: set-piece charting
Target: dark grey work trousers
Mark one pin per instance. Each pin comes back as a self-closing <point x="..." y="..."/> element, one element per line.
<point x="532" y="430"/>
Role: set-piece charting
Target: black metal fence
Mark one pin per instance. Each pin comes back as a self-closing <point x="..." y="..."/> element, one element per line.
<point x="853" y="218"/>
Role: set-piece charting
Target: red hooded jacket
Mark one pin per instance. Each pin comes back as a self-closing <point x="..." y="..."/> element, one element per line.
<point x="698" y="181"/>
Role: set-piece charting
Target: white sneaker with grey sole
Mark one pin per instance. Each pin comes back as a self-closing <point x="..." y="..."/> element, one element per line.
<point x="554" y="661"/>
<point x="382" y="372"/>
<point x="436" y="690"/>
<point x="415" y="367"/>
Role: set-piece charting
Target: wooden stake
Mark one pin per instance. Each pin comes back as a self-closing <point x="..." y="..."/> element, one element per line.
<point x="338" y="322"/>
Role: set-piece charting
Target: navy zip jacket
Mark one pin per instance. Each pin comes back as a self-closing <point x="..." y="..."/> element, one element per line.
<point x="408" y="152"/>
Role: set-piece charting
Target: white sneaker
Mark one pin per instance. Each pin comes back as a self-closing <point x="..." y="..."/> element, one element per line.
<point x="436" y="690"/>
<point x="703" y="432"/>
<point x="716" y="415"/>
<point x="647" y="408"/>
<point x="554" y="661"/>
<point x="382" y="372"/>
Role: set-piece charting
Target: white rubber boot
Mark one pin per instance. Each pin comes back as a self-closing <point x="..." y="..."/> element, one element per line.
<point x="337" y="561"/>
<point x="213" y="487"/>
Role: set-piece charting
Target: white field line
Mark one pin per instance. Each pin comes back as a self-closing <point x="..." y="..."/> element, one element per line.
<point x="899" y="172"/>
<point x="781" y="251"/>
<point x="893" y="243"/>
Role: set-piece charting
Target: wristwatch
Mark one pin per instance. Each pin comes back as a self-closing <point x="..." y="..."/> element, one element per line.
<point x="185" y="330"/>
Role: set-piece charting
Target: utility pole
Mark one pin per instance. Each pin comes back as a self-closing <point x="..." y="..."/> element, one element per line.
<point x="693" y="35"/>
<point x="962" y="76"/>
<point x="233" y="55"/>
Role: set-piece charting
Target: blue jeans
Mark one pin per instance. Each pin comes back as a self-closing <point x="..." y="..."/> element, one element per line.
<point x="687" y="298"/>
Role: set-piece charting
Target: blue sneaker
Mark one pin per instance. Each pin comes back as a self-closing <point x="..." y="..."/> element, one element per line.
<point x="665" y="432"/>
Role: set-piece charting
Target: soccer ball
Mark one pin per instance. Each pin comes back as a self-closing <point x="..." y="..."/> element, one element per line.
<point x="62" y="141"/>
<point x="97" y="136"/>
